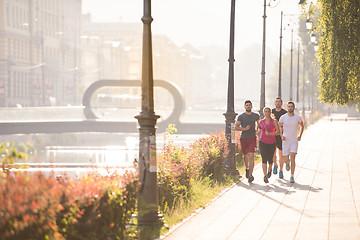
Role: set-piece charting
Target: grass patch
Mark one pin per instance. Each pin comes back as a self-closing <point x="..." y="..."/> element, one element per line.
<point x="202" y="192"/>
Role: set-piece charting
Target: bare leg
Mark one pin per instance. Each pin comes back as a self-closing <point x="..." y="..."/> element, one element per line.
<point x="251" y="163"/>
<point x="264" y="167"/>
<point x="274" y="158"/>
<point x="281" y="159"/>
<point x="246" y="160"/>
<point x="292" y="159"/>
<point x="270" y="167"/>
<point x="286" y="159"/>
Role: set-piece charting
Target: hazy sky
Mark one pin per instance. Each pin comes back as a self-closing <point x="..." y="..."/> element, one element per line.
<point x="207" y="22"/>
<point x="201" y="22"/>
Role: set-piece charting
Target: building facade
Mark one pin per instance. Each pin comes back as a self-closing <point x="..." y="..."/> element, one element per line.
<point x="50" y="54"/>
<point x="111" y="51"/>
<point x="39" y="52"/>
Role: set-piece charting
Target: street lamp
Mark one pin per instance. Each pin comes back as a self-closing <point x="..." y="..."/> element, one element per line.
<point x="291" y="61"/>
<point x="298" y="73"/>
<point x="308" y="24"/>
<point x="148" y="217"/>
<point x="291" y="64"/>
<point x="312" y="37"/>
<point x="280" y="55"/>
<point x="303" y="90"/>
<point x="262" y="93"/>
<point x="262" y="88"/>
<point x="230" y="113"/>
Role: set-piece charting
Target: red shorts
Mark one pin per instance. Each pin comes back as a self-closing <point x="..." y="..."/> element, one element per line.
<point x="248" y="145"/>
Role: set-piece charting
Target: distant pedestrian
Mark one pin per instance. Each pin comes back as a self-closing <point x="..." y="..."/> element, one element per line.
<point x="247" y="122"/>
<point x="267" y="144"/>
<point x="289" y="123"/>
<point x="278" y="111"/>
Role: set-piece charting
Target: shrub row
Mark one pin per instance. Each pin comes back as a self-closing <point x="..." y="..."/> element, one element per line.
<point x="205" y="158"/>
<point x="100" y="207"/>
<point x="37" y="207"/>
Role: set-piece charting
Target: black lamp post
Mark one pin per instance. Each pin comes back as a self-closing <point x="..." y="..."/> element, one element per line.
<point x="291" y="64"/>
<point x="298" y="74"/>
<point x="230" y="113"/>
<point x="280" y="56"/>
<point x="148" y="216"/>
<point x="262" y="94"/>
<point x="303" y="90"/>
<point x="308" y="23"/>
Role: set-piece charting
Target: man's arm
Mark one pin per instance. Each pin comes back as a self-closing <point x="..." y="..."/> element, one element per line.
<point x="281" y="130"/>
<point x="258" y="127"/>
<point x="301" y="130"/>
<point x="239" y="128"/>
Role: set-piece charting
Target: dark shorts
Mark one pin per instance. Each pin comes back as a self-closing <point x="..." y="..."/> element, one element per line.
<point x="278" y="142"/>
<point x="248" y="145"/>
<point x="267" y="152"/>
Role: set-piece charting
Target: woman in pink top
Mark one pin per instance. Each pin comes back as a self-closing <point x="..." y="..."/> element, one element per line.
<point x="267" y="144"/>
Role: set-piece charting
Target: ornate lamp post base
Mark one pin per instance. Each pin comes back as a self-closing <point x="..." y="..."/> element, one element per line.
<point x="230" y="164"/>
<point x="149" y="219"/>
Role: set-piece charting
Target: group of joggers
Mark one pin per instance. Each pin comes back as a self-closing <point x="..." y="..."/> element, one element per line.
<point x="277" y="130"/>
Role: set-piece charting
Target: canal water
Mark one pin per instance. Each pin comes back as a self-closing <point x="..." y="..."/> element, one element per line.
<point x="112" y="155"/>
<point x="75" y="161"/>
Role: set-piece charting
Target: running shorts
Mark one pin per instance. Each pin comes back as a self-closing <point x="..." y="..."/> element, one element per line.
<point x="248" y="145"/>
<point x="289" y="147"/>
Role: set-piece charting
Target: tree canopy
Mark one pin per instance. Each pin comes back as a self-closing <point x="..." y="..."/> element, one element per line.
<point x="339" y="51"/>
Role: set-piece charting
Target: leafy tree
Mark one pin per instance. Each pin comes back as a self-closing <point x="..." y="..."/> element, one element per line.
<point x="339" y="51"/>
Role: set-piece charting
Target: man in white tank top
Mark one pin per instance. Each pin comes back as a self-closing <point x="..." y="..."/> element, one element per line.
<point x="289" y="123"/>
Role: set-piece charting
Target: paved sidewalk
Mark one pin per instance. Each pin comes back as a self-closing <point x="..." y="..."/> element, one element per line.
<point x="323" y="203"/>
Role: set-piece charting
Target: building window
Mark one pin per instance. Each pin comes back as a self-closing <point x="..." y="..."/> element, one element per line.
<point x="8" y="19"/>
<point x="13" y="17"/>
<point x="8" y="47"/>
<point x="16" y="17"/>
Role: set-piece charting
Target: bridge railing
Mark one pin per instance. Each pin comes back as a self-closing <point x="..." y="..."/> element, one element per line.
<point x="85" y="119"/>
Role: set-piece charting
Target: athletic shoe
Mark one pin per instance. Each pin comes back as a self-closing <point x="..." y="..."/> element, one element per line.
<point x="288" y="167"/>
<point x="275" y="169"/>
<point x="251" y="178"/>
<point x="292" y="179"/>
<point x="281" y="175"/>
<point x="269" y="174"/>
<point x="247" y="173"/>
<point x="266" y="179"/>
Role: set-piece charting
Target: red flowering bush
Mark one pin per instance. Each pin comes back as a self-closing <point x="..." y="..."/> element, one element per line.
<point x="211" y="152"/>
<point x="34" y="206"/>
<point x="179" y="165"/>
<point x="176" y="169"/>
<point x="28" y="207"/>
<point x="98" y="207"/>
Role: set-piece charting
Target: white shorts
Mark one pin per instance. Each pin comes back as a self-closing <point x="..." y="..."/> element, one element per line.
<point x="289" y="147"/>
